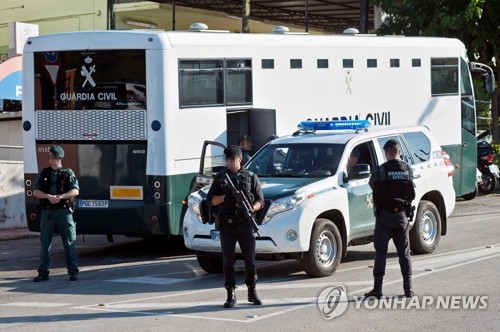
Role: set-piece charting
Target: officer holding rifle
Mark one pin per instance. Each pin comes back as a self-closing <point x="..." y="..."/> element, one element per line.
<point x="238" y="195"/>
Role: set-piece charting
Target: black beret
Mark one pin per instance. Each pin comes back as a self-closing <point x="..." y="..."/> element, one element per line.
<point x="57" y="151"/>
<point x="390" y="143"/>
<point x="233" y="151"/>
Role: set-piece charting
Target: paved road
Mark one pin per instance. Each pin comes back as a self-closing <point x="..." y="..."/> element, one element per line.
<point x="132" y="284"/>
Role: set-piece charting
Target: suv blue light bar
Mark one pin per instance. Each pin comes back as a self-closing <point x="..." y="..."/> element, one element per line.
<point x="334" y="125"/>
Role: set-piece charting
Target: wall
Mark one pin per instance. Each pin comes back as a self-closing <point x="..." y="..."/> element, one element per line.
<point x="52" y="16"/>
<point x="12" y="212"/>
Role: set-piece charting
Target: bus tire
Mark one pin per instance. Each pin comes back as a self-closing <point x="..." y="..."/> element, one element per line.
<point x="426" y="232"/>
<point x="209" y="263"/>
<point x="470" y="196"/>
<point x="325" y="249"/>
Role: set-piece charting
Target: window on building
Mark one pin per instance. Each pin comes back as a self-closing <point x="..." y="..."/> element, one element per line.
<point x="444" y="76"/>
<point x="416" y="63"/>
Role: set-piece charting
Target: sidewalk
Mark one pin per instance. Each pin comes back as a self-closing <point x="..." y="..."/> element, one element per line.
<point x="17" y="233"/>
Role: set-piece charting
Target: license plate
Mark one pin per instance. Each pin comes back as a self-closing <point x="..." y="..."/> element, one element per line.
<point x="93" y="203"/>
<point x="494" y="169"/>
<point x="215" y="235"/>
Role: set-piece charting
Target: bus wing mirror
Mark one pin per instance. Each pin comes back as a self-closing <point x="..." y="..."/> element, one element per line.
<point x="487" y="72"/>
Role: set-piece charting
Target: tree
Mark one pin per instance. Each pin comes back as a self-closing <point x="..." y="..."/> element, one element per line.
<point x="475" y="22"/>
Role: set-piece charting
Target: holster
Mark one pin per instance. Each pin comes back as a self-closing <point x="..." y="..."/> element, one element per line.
<point x="409" y="211"/>
<point x="218" y="221"/>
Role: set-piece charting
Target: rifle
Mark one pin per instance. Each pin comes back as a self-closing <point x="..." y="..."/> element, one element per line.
<point x="243" y="204"/>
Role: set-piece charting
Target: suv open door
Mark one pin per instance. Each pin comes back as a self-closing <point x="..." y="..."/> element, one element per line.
<point x="212" y="161"/>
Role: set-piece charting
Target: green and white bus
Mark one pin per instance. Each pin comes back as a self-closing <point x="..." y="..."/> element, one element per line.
<point x="133" y="108"/>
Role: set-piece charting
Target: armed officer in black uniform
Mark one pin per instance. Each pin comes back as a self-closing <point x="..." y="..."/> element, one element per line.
<point x="56" y="186"/>
<point x="393" y="191"/>
<point x="233" y="225"/>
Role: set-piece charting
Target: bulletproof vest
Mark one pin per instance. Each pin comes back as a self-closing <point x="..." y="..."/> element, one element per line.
<point x="62" y="183"/>
<point x="242" y="181"/>
<point x="393" y="186"/>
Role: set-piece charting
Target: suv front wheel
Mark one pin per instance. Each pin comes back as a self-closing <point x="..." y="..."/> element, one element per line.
<point x="209" y="263"/>
<point x="426" y="232"/>
<point x="325" y="249"/>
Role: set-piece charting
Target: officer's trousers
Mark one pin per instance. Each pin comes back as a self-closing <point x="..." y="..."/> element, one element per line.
<point x="391" y="225"/>
<point x="243" y="234"/>
<point x="63" y="220"/>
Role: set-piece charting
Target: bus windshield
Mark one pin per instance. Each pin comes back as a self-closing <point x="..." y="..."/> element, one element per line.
<point x="297" y="160"/>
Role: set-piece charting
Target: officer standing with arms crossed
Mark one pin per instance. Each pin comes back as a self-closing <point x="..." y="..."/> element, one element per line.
<point x="234" y="227"/>
<point x="56" y="187"/>
<point x="393" y="191"/>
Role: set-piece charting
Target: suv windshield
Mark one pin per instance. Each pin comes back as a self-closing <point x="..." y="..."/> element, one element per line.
<point x="297" y="160"/>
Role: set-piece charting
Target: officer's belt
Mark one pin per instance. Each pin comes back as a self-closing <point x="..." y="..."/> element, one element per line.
<point x="394" y="209"/>
<point x="56" y="206"/>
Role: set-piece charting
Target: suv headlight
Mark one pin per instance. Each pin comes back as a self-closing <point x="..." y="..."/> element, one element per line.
<point x="283" y="204"/>
<point x="194" y="203"/>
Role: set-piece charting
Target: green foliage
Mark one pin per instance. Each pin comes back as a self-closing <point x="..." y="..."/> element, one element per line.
<point x="496" y="149"/>
<point x="474" y="22"/>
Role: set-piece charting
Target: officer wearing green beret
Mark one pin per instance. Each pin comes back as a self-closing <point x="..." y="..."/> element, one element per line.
<point x="56" y="187"/>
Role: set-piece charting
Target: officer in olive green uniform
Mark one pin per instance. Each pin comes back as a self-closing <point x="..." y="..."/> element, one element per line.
<point x="56" y="187"/>
<point x="246" y="144"/>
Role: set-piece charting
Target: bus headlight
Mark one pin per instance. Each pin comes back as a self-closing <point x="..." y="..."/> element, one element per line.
<point x="283" y="204"/>
<point x="194" y="203"/>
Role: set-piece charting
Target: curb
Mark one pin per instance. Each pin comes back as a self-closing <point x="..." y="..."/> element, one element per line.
<point x="15" y="234"/>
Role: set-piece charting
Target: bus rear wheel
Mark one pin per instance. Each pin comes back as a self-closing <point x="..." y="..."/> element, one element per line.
<point x="325" y="249"/>
<point x="209" y="263"/>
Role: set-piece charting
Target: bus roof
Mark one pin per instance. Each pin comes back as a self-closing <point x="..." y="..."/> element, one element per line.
<point x="159" y="39"/>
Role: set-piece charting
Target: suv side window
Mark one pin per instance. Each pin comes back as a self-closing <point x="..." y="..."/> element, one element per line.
<point x="405" y="154"/>
<point x="362" y="154"/>
<point x="420" y="146"/>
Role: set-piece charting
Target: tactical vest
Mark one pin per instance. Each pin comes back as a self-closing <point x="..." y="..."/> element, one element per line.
<point x="242" y="181"/>
<point x="392" y="187"/>
<point x="62" y="185"/>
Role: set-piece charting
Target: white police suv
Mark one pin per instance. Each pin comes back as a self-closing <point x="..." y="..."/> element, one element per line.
<point x="318" y="201"/>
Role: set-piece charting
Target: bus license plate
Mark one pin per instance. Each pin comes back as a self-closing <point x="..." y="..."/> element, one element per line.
<point x="215" y="235"/>
<point x="93" y="203"/>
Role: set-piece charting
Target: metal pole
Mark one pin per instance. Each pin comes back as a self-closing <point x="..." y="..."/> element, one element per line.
<point x="307" y="15"/>
<point x="363" y="16"/>
<point x="245" y="16"/>
<point x="111" y="15"/>
<point x="173" y="15"/>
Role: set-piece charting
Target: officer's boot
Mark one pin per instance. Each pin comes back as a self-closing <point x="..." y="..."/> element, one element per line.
<point x="407" y="286"/>
<point x="252" y="295"/>
<point x="231" y="297"/>
<point x="377" y="288"/>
